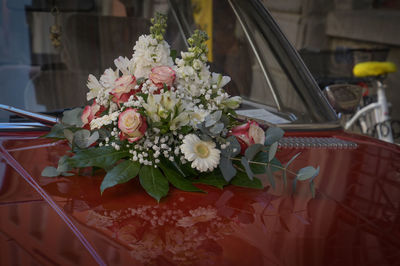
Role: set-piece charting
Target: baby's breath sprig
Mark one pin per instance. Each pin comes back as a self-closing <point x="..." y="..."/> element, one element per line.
<point x="159" y="25"/>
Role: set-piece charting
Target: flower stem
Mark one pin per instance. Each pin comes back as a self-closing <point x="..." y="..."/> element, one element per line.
<point x="268" y="164"/>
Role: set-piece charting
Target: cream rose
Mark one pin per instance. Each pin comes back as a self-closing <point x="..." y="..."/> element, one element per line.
<point x="132" y="125"/>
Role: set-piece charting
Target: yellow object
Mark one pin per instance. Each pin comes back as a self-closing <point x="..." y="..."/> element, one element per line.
<point x="372" y="68"/>
<point x="203" y="17"/>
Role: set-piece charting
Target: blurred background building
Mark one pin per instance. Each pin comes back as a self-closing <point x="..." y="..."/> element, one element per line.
<point x="320" y="25"/>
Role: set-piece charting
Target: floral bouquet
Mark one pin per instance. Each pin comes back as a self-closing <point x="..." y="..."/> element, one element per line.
<point x="168" y="120"/>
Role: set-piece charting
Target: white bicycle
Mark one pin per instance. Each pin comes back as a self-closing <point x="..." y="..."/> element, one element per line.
<point x="373" y="118"/>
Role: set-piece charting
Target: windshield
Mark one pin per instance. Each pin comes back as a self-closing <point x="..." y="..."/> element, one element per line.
<point x="48" y="49"/>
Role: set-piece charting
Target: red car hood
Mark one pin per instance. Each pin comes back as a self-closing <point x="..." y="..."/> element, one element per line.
<point x="353" y="220"/>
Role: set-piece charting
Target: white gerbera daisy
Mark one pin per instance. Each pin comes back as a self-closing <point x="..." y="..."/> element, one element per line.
<point x="203" y="154"/>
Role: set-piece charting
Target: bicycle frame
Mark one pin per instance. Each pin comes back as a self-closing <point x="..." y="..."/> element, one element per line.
<point x="381" y="115"/>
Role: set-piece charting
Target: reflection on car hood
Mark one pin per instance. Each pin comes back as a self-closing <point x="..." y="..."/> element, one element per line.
<point x="352" y="221"/>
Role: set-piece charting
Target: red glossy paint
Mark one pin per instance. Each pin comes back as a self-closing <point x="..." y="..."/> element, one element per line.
<point x="354" y="219"/>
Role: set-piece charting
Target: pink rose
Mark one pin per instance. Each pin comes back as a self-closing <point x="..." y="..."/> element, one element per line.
<point x="162" y="75"/>
<point x="132" y="125"/>
<point x="248" y="134"/>
<point x="90" y="112"/>
<point x="124" y="88"/>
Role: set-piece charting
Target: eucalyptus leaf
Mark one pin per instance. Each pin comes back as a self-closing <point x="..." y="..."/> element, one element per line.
<point x="177" y="180"/>
<point x="213" y="118"/>
<point x="56" y="132"/>
<point x="272" y="151"/>
<point x="307" y="172"/>
<point x="217" y="129"/>
<point x="246" y="166"/>
<point x="275" y="165"/>
<point x="242" y="180"/>
<point x="121" y="173"/>
<point x="292" y="159"/>
<point x="270" y="176"/>
<point x="284" y="176"/>
<point x="252" y="150"/>
<point x="63" y="165"/>
<point x="261" y="157"/>
<point x="227" y="169"/>
<point x="103" y="157"/>
<point x="312" y="188"/>
<point x="273" y="134"/>
<point x="73" y="117"/>
<point x="69" y="135"/>
<point x="154" y="182"/>
<point x="50" y="171"/>
<point x="83" y="139"/>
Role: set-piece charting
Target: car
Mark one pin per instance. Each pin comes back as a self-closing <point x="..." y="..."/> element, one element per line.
<point x="353" y="218"/>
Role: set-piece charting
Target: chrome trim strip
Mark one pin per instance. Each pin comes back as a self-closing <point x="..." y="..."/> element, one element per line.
<point x="256" y="53"/>
<point x="23" y="126"/>
<point x="41" y="118"/>
<point x="316" y="143"/>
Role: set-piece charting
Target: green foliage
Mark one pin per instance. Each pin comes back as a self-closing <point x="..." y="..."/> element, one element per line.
<point x="227" y="169"/>
<point x="56" y="132"/>
<point x="272" y="135"/>
<point x="154" y="182"/>
<point x="176" y="179"/>
<point x="73" y="117"/>
<point x="159" y="25"/>
<point x="212" y="179"/>
<point x="246" y="166"/>
<point x="103" y="157"/>
<point x="121" y="173"/>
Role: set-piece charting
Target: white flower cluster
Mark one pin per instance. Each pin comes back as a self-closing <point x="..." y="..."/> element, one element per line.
<point x="153" y="107"/>
<point x="148" y="54"/>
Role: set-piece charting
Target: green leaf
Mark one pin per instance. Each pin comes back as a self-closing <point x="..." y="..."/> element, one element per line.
<point x="139" y="81"/>
<point x="50" y="171"/>
<point x="217" y="128"/>
<point x="173" y="54"/>
<point x="73" y="117"/>
<point x="56" y="132"/>
<point x="83" y="139"/>
<point x="261" y="157"/>
<point x="270" y="176"/>
<point x="307" y="172"/>
<point x="103" y="157"/>
<point x="121" y="173"/>
<point x="177" y="180"/>
<point x="63" y="165"/>
<point x="227" y="169"/>
<point x="252" y="150"/>
<point x="276" y="165"/>
<point x="213" y="118"/>
<point x="242" y="180"/>
<point x="273" y="134"/>
<point x="69" y="135"/>
<point x="272" y="151"/>
<point x="154" y="182"/>
<point x="213" y="179"/>
<point x="246" y="165"/>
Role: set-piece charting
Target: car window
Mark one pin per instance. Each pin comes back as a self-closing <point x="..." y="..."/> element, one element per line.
<point x="48" y="49"/>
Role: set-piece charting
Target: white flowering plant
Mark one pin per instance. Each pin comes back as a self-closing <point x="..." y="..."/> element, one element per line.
<point x="168" y="121"/>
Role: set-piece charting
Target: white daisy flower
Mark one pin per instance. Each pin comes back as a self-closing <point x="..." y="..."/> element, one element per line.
<point x="203" y="154"/>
